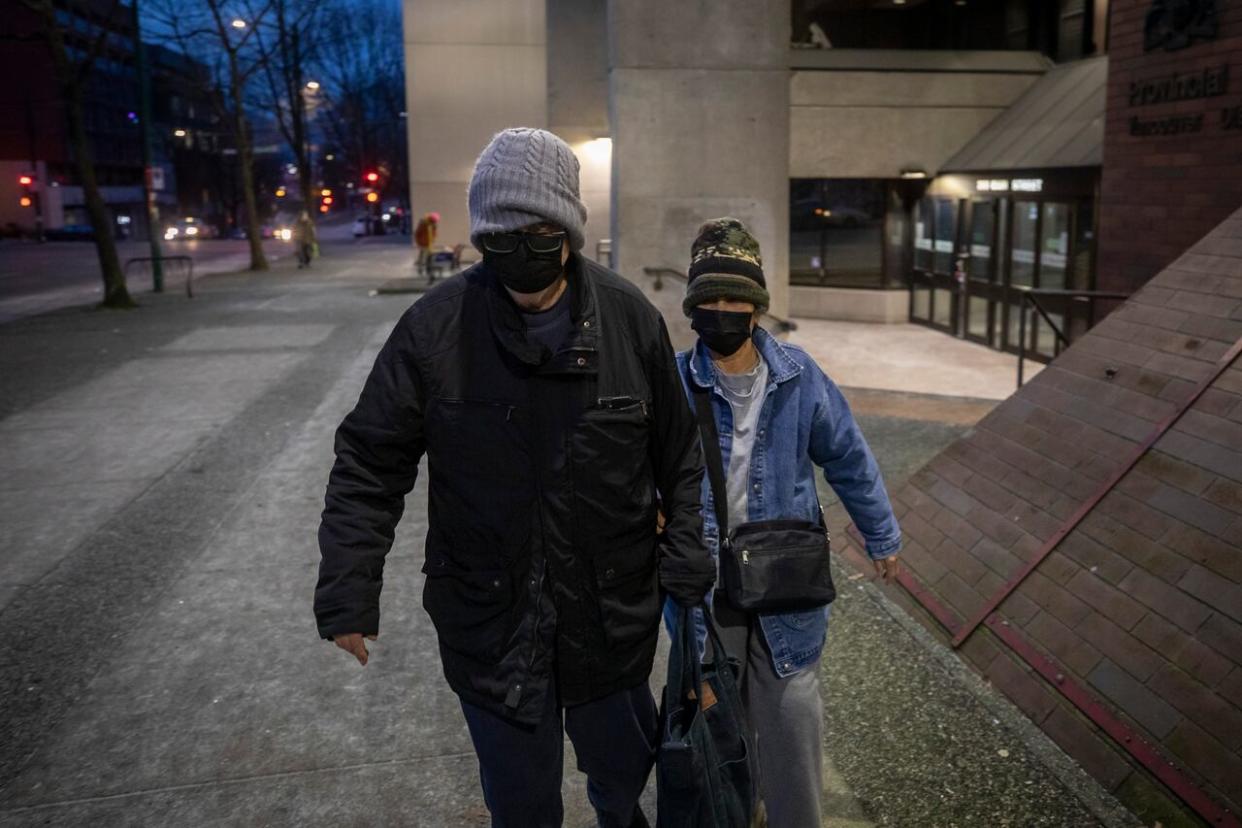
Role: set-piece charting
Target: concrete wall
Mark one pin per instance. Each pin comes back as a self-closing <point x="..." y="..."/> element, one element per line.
<point x="850" y="305"/>
<point x="577" y="59"/>
<point x="472" y="69"/>
<point x="699" y="103"/>
<point x="869" y="114"/>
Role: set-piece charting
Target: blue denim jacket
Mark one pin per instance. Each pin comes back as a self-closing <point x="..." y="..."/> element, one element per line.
<point x="804" y="422"/>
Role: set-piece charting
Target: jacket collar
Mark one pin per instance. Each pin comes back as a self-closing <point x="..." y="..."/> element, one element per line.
<point x="781" y="366"/>
<point x="579" y="353"/>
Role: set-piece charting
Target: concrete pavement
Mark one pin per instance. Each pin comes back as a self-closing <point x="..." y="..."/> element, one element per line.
<point x="163" y="477"/>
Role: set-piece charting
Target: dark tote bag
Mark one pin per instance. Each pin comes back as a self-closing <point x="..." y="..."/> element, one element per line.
<point x="706" y="775"/>
<point x="765" y="565"/>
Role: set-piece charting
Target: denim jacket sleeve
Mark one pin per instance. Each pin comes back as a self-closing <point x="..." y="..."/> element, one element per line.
<point x="838" y="447"/>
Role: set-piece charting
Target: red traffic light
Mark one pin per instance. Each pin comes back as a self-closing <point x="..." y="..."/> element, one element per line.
<point x="327" y="199"/>
<point x="25" y="180"/>
<point x="372" y="176"/>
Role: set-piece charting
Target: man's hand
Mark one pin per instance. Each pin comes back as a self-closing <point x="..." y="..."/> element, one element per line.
<point x="352" y="643"/>
<point x="888" y="568"/>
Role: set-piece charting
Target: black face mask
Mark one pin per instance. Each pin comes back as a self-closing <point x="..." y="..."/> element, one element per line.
<point x="722" y="331"/>
<point x="524" y="271"/>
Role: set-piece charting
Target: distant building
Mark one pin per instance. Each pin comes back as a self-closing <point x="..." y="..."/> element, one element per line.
<point x="34" y="132"/>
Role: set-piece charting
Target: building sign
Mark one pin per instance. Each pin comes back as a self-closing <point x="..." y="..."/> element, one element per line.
<point x="1004" y="185"/>
<point x="155" y="178"/>
<point x="1175" y="24"/>
<point x="1187" y="86"/>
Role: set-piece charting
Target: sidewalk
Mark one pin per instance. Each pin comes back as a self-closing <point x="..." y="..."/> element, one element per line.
<point x="164" y="471"/>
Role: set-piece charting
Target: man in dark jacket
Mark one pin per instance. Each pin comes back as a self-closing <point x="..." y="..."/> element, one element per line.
<point x="544" y="392"/>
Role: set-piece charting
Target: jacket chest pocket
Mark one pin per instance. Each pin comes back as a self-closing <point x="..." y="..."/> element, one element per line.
<point x="613" y="487"/>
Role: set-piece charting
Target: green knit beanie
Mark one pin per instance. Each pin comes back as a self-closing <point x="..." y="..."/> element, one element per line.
<point x="725" y="264"/>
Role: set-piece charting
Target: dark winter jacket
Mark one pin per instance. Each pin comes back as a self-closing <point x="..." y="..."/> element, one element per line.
<point x="541" y="554"/>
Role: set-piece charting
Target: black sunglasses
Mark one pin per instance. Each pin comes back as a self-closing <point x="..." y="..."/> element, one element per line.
<point x="535" y="242"/>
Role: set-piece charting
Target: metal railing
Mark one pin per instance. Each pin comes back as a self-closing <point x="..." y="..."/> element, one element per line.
<point x="1032" y="295"/>
<point x="184" y="261"/>
<point x="658" y="273"/>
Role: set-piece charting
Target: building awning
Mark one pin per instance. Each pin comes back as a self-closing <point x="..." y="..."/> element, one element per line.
<point x="1058" y="122"/>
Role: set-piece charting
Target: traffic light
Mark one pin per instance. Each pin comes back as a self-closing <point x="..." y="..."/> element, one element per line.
<point x="372" y="197"/>
<point x="327" y="200"/>
<point x="372" y="177"/>
<point x="27" y="183"/>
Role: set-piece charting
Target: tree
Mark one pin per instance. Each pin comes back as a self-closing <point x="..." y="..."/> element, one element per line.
<point x="363" y="75"/>
<point x="72" y="75"/>
<point x="209" y="26"/>
<point x="285" y="59"/>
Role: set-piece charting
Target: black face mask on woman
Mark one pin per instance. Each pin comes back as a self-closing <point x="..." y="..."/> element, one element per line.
<point x="721" y="331"/>
<point x="522" y="261"/>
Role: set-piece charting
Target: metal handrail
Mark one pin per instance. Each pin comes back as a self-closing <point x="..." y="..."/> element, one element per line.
<point x="1032" y="295"/>
<point x="186" y="260"/>
<point x="658" y="273"/>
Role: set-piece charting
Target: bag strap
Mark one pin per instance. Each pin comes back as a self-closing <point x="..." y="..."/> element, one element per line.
<point x="684" y="660"/>
<point x="712" y="457"/>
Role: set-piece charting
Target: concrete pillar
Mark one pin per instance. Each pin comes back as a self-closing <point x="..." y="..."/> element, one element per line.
<point x="577" y="54"/>
<point x="699" y="104"/>
<point x="472" y="69"/>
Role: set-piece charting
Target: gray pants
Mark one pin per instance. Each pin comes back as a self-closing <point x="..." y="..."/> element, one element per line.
<point x="787" y="723"/>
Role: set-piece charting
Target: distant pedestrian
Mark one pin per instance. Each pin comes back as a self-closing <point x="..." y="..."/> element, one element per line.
<point x="306" y="239"/>
<point x="544" y="392"/>
<point x="776" y="417"/>
<point x="425" y="239"/>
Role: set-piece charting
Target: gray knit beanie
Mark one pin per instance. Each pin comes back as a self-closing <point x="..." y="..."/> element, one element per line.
<point x="526" y="176"/>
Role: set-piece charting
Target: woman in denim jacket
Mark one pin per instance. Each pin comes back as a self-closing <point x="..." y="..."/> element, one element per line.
<point x="778" y="417"/>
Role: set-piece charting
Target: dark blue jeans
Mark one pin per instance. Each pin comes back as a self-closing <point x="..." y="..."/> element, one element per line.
<point x="613" y="737"/>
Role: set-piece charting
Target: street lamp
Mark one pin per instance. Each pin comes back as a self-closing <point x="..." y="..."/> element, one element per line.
<point x="238" y="23"/>
<point x="180" y="133"/>
<point x="312" y="85"/>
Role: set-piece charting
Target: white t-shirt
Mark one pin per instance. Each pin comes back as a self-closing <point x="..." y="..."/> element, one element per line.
<point x="745" y="393"/>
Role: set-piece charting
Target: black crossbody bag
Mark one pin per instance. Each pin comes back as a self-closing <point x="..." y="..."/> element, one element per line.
<point x="766" y="565"/>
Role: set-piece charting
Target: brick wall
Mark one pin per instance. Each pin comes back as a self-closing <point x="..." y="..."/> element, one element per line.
<point x="1161" y="193"/>
<point x="1141" y="604"/>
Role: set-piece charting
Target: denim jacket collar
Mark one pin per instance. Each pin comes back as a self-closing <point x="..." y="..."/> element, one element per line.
<point x="781" y="366"/>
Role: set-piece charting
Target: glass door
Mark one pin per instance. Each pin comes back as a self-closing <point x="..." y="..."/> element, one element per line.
<point x="1023" y="261"/>
<point x="1054" y="258"/>
<point x="920" y="273"/>
<point x="981" y="294"/>
<point x="945" y="288"/>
